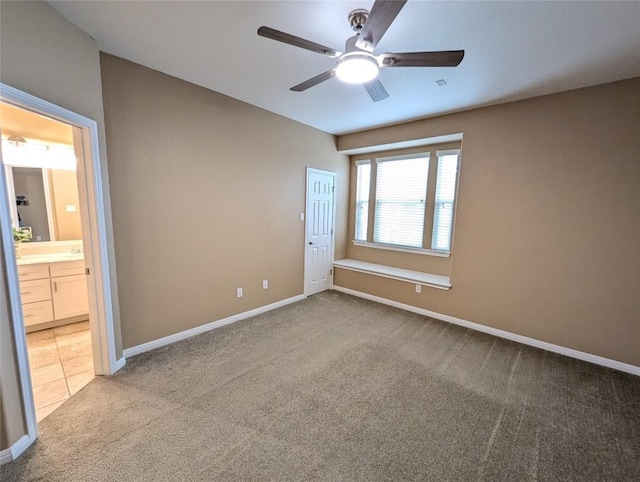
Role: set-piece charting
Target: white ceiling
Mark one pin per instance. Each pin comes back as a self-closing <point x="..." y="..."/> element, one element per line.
<point x="513" y="50"/>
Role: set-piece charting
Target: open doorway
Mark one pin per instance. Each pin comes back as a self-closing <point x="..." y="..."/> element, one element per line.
<point x="41" y="180"/>
<point x="96" y="268"/>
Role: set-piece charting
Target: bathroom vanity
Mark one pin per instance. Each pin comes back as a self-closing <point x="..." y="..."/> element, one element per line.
<point x="53" y="289"/>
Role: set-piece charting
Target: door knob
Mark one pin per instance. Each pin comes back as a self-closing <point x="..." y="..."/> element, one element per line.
<point x="310" y="242"/>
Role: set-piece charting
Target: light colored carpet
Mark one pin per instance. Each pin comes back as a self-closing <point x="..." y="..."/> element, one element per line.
<point x="339" y="388"/>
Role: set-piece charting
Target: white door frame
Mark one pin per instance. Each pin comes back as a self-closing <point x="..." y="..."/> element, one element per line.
<point x="306" y="217"/>
<point x="94" y="233"/>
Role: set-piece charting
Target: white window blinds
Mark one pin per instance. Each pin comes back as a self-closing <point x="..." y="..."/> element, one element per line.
<point x="444" y="200"/>
<point x="401" y="190"/>
<point x="363" y="181"/>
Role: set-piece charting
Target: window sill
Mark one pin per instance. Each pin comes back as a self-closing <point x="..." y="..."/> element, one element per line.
<point x="390" y="247"/>
<point x="409" y="276"/>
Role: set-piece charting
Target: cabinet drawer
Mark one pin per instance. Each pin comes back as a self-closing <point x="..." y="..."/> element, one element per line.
<point x="35" y="290"/>
<point x="35" y="313"/>
<point x="33" y="271"/>
<point x="67" y="268"/>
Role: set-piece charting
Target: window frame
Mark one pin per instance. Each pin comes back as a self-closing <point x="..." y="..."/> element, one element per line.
<point x="442" y="153"/>
<point x="357" y="214"/>
<point x="432" y="152"/>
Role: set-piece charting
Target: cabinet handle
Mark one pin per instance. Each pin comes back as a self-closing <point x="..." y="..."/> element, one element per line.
<point x="29" y="315"/>
<point x="26" y="292"/>
<point x="55" y="286"/>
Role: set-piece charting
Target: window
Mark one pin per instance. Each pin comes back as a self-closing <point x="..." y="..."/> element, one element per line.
<point x="401" y="191"/>
<point x="414" y="201"/>
<point x="445" y="198"/>
<point x="363" y="175"/>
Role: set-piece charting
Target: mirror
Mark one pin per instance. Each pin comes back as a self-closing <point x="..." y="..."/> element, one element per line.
<point x="31" y="204"/>
<point x="46" y="202"/>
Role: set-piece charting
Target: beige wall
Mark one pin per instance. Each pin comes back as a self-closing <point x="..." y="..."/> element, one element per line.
<point x="547" y="223"/>
<point x="64" y="192"/>
<point x="206" y="194"/>
<point x="45" y="55"/>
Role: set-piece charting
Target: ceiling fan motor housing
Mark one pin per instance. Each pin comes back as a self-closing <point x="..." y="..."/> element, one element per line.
<point x="350" y="45"/>
<point x="357" y="18"/>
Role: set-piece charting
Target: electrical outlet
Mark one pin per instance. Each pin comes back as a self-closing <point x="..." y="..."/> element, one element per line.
<point x="418" y="288"/>
<point x="239" y="292"/>
<point x="265" y="284"/>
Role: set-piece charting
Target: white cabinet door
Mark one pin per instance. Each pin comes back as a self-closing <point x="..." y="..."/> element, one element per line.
<point x="69" y="294"/>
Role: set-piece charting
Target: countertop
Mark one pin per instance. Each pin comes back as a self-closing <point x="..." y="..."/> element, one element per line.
<point x="49" y="258"/>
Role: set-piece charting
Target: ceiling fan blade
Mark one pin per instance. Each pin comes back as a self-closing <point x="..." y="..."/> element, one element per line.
<point x="286" y="38"/>
<point x="382" y="14"/>
<point x="314" y="81"/>
<point x="376" y="90"/>
<point x="445" y="58"/>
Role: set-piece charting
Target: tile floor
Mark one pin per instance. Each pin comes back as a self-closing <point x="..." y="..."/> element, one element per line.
<point x="61" y="362"/>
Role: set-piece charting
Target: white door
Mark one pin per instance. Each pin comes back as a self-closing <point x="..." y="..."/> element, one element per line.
<point x="319" y="236"/>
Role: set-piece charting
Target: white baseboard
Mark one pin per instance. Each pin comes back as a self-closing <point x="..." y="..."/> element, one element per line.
<point x="6" y="456"/>
<point x="570" y="352"/>
<point x="167" y="340"/>
<point x="120" y="363"/>
<point x="15" y="450"/>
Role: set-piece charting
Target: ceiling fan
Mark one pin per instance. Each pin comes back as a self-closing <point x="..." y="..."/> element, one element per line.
<point x="357" y="64"/>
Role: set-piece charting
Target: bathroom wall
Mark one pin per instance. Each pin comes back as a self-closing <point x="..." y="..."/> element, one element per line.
<point x="64" y="193"/>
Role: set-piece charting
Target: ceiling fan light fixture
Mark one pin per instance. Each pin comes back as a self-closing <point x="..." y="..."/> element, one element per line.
<point x="357" y="67"/>
<point x="16" y="141"/>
